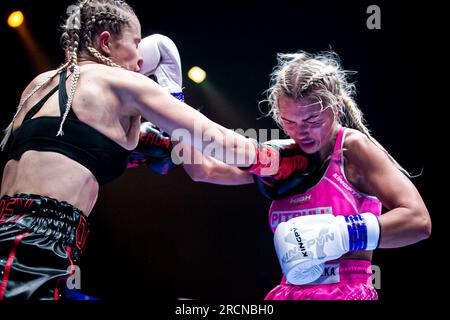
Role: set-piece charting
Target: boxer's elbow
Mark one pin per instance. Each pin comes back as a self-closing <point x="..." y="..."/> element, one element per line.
<point x="425" y="227"/>
<point x="422" y="223"/>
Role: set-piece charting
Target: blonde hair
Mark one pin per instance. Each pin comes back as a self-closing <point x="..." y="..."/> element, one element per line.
<point x="319" y="77"/>
<point x="85" y="21"/>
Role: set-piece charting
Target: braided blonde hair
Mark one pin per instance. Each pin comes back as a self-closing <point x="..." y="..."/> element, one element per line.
<point x="320" y="77"/>
<point x="85" y="21"/>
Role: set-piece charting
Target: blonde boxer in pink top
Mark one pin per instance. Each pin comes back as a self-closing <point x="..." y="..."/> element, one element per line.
<point x="328" y="223"/>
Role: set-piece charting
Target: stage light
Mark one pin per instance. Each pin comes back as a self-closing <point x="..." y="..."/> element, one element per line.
<point x="15" y="19"/>
<point x="197" y="74"/>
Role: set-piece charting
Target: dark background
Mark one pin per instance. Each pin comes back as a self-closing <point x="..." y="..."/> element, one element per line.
<point x="168" y="237"/>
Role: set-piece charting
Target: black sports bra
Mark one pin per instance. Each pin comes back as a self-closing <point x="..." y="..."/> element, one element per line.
<point x="106" y="159"/>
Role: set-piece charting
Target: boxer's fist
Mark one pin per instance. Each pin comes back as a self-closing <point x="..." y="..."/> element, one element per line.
<point x="154" y="150"/>
<point x="278" y="159"/>
<point x="299" y="181"/>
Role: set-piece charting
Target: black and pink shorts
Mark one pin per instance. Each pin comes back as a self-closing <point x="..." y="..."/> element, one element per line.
<point x="41" y="241"/>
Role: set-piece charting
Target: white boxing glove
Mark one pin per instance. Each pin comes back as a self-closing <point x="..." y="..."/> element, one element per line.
<point x="301" y="276"/>
<point x="148" y="48"/>
<point x="303" y="243"/>
<point x="168" y="68"/>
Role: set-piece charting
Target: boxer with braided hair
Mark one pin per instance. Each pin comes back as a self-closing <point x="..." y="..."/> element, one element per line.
<point x="327" y="225"/>
<point x="61" y="147"/>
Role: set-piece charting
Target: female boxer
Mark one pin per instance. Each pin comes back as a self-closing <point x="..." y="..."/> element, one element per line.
<point x="66" y="140"/>
<point x="326" y="229"/>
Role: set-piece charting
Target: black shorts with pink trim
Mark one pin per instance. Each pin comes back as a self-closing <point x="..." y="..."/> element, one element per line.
<point x="41" y="241"/>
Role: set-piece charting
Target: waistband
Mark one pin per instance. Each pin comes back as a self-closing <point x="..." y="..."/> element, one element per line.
<point x="39" y="199"/>
<point x="44" y="216"/>
<point x="341" y="271"/>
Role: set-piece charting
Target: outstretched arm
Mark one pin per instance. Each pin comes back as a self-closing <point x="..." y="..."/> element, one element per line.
<point x="185" y="124"/>
<point x="203" y="168"/>
<point x="179" y="120"/>
<point x="162" y="60"/>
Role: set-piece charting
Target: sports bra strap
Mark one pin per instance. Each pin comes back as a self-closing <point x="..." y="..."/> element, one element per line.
<point x="62" y="99"/>
<point x="62" y="91"/>
<point x="39" y="105"/>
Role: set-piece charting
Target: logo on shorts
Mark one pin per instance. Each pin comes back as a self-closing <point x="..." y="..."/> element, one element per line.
<point x="14" y="209"/>
<point x="82" y="232"/>
<point x="329" y="271"/>
<point x="329" y="275"/>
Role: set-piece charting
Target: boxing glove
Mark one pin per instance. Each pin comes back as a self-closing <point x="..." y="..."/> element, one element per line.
<point x="307" y="241"/>
<point x="274" y="188"/>
<point x="154" y="150"/>
<point x="168" y="68"/>
<point x="277" y="159"/>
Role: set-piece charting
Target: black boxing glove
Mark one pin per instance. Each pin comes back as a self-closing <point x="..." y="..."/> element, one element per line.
<point x="277" y="159"/>
<point x="154" y="150"/>
<point x="298" y="181"/>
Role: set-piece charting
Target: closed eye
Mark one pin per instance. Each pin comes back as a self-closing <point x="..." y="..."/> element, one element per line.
<point x="314" y="123"/>
<point x="288" y="121"/>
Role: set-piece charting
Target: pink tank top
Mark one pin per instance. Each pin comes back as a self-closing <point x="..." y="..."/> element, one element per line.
<point x="332" y="194"/>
